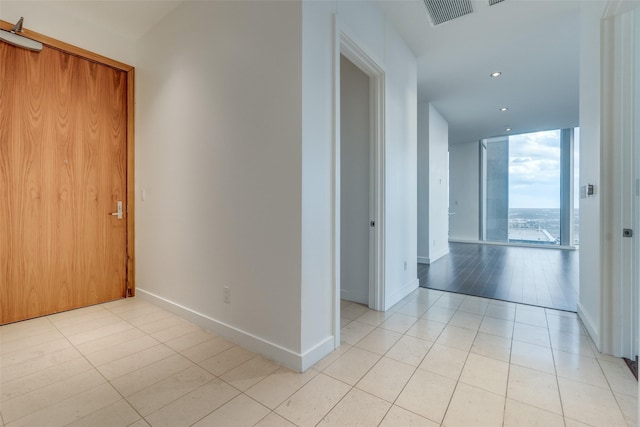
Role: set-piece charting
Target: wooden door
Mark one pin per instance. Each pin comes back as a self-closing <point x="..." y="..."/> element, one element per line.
<point x="63" y="166"/>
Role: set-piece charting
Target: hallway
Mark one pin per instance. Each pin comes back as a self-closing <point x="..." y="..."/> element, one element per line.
<point x="434" y="359"/>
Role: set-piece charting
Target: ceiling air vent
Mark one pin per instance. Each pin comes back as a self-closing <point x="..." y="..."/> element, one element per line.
<point x="492" y="2"/>
<point x="446" y="10"/>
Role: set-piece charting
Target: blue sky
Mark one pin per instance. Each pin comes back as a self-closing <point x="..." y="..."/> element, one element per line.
<point x="534" y="170"/>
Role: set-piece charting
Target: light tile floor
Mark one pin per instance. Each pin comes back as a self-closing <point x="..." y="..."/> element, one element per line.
<point x="434" y="359"/>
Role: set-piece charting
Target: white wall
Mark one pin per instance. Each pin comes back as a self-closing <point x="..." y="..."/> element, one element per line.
<point x="433" y="195"/>
<point x="423" y="183"/>
<point x="367" y="25"/>
<point x="234" y="145"/>
<point x="317" y="287"/>
<point x="439" y="185"/>
<point x="55" y="19"/>
<point x="464" y="197"/>
<point x="218" y="158"/>
<point x="589" y="306"/>
<point x="401" y="134"/>
<point x="355" y="163"/>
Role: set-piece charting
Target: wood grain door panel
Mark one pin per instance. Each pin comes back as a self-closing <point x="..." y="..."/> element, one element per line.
<point x="63" y="158"/>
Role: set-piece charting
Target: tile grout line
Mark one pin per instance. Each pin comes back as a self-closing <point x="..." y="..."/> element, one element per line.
<point x="455" y="388"/>
<point x="176" y="352"/>
<point x="613" y="393"/>
<point x="415" y="368"/>
<point x="93" y="368"/>
<point x="506" y="392"/>
<point x="106" y="380"/>
<point x="555" y="370"/>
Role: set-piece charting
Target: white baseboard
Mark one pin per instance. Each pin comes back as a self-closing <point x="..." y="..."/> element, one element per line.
<point x="405" y="290"/>
<point x="438" y="255"/>
<point x="359" y="297"/>
<point x="316" y="353"/>
<point x="291" y="359"/>
<point x="432" y="259"/>
<point x="590" y="326"/>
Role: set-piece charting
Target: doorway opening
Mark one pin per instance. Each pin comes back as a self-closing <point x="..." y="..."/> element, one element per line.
<point x="355" y="184"/>
<point x="359" y="178"/>
<point x="514" y="236"/>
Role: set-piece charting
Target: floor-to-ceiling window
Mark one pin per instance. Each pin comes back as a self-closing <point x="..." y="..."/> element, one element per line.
<point x="528" y="188"/>
<point x="534" y="190"/>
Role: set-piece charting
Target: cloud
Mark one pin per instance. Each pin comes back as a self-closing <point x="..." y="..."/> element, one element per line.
<point x="534" y="170"/>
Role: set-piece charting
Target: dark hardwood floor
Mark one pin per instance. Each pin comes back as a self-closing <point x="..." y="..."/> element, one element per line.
<point x="541" y="277"/>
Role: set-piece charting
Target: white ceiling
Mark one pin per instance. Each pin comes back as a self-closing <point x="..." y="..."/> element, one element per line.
<point x="535" y="44"/>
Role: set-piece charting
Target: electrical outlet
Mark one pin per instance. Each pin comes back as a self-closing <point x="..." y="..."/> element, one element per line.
<point x="227" y="295"/>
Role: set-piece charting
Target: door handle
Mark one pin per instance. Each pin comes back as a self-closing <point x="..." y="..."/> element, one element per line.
<point x="118" y="213"/>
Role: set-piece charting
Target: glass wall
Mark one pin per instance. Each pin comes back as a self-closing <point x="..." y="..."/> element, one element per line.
<point x="496" y="189"/>
<point x="525" y="195"/>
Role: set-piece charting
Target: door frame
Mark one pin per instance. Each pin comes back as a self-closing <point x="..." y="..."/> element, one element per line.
<point x="346" y="44"/>
<point x="619" y="298"/>
<point x="129" y="287"/>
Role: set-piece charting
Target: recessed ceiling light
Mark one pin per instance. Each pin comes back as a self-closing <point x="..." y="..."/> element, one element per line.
<point x="508" y="129"/>
<point x="504" y="109"/>
<point x="495" y="74"/>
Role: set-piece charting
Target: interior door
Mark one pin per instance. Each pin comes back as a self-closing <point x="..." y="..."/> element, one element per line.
<point x="63" y="154"/>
